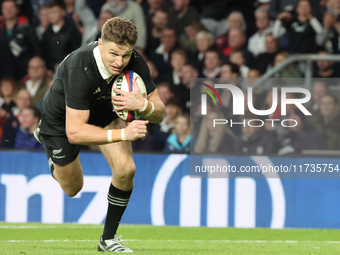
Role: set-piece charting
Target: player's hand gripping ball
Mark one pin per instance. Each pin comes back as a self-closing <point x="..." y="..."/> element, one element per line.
<point x="127" y="104"/>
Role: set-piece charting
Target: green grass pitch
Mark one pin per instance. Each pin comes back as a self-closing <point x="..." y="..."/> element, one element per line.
<point x="35" y="238"/>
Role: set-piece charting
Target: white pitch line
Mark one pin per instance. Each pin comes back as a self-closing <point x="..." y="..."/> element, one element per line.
<point x="49" y="227"/>
<point x="186" y="241"/>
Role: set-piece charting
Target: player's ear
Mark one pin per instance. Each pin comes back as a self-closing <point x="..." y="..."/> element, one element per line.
<point x="100" y="44"/>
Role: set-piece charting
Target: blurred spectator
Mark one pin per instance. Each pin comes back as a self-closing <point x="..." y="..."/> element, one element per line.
<point x="162" y="131"/>
<point x="319" y="89"/>
<point x="214" y="139"/>
<point x="287" y="8"/>
<point x="18" y="40"/>
<point x="256" y="44"/>
<point x="265" y="61"/>
<point x="187" y="88"/>
<point x="144" y="144"/>
<point x="237" y="58"/>
<point x="23" y="99"/>
<point x="69" y="7"/>
<point x="254" y="74"/>
<point x="188" y="40"/>
<point x="180" y="139"/>
<point x="325" y="68"/>
<point x="204" y="40"/>
<point x="7" y="104"/>
<point x="254" y="139"/>
<point x="326" y="126"/>
<point x="237" y="42"/>
<point x="165" y="92"/>
<point x="290" y="71"/>
<point x="154" y="30"/>
<point x="178" y="60"/>
<point x="234" y="20"/>
<point x="60" y="38"/>
<point x="92" y="26"/>
<point x="215" y="9"/>
<point x="305" y="33"/>
<point x="44" y="21"/>
<point x="323" y="6"/>
<point x="161" y="56"/>
<point x="95" y="6"/>
<point x="300" y="136"/>
<point x="212" y="64"/>
<point x="29" y="119"/>
<point x="25" y="8"/>
<point x="11" y="125"/>
<point x="153" y="7"/>
<point x="37" y="83"/>
<point x="153" y="71"/>
<point x="180" y="14"/>
<point x="220" y="28"/>
<point x="230" y="71"/>
<point x="7" y="92"/>
<point x="330" y="37"/>
<point x="132" y="11"/>
<point x="228" y="75"/>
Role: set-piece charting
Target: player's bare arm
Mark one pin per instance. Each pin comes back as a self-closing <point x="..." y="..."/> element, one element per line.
<point x="79" y="132"/>
<point x="152" y="109"/>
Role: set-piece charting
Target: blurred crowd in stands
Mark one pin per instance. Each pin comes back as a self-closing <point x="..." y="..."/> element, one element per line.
<point x="180" y="39"/>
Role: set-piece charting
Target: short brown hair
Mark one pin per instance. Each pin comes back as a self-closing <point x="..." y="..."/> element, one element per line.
<point x="179" y="52"/>
<point x="119" y="30"/>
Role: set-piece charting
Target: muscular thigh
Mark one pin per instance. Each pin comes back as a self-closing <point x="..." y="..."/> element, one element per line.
<point x="64" y="162"/>
<point x="119" y="157"/>
<point x="70" y="176"/>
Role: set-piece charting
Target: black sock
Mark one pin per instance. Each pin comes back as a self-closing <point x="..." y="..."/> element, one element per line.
<point x="118" y="200"/>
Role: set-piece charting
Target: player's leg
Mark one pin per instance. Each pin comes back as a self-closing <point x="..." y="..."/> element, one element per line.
<point x="64" y="162"/>
<point x="119" y="157"/>
<point x="70" y="177"/>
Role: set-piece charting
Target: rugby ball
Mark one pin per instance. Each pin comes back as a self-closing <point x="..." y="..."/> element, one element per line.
<point x="124" y="82"/>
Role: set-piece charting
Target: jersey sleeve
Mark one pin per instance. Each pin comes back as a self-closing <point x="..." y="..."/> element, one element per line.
<point x="78" y="89"/>
<point x="139" y="66"/>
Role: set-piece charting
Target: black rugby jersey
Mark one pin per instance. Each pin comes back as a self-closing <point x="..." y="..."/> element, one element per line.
<point x="79" y="84"/>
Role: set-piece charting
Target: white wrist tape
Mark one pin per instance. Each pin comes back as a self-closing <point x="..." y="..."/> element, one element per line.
<point x="151" y="111"/>
<point x="122" y="135"/>
<point x="109" y="136"/>
<point x="145" y="106"/>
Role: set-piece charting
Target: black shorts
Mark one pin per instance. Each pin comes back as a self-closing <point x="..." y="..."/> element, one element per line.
<point x="60" y="151"/>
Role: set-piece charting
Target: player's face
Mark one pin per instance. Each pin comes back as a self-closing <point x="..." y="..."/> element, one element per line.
<point x="115" y="57"/>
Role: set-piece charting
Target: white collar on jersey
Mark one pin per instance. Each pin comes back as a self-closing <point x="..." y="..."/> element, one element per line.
<point x="102" y="69"/>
